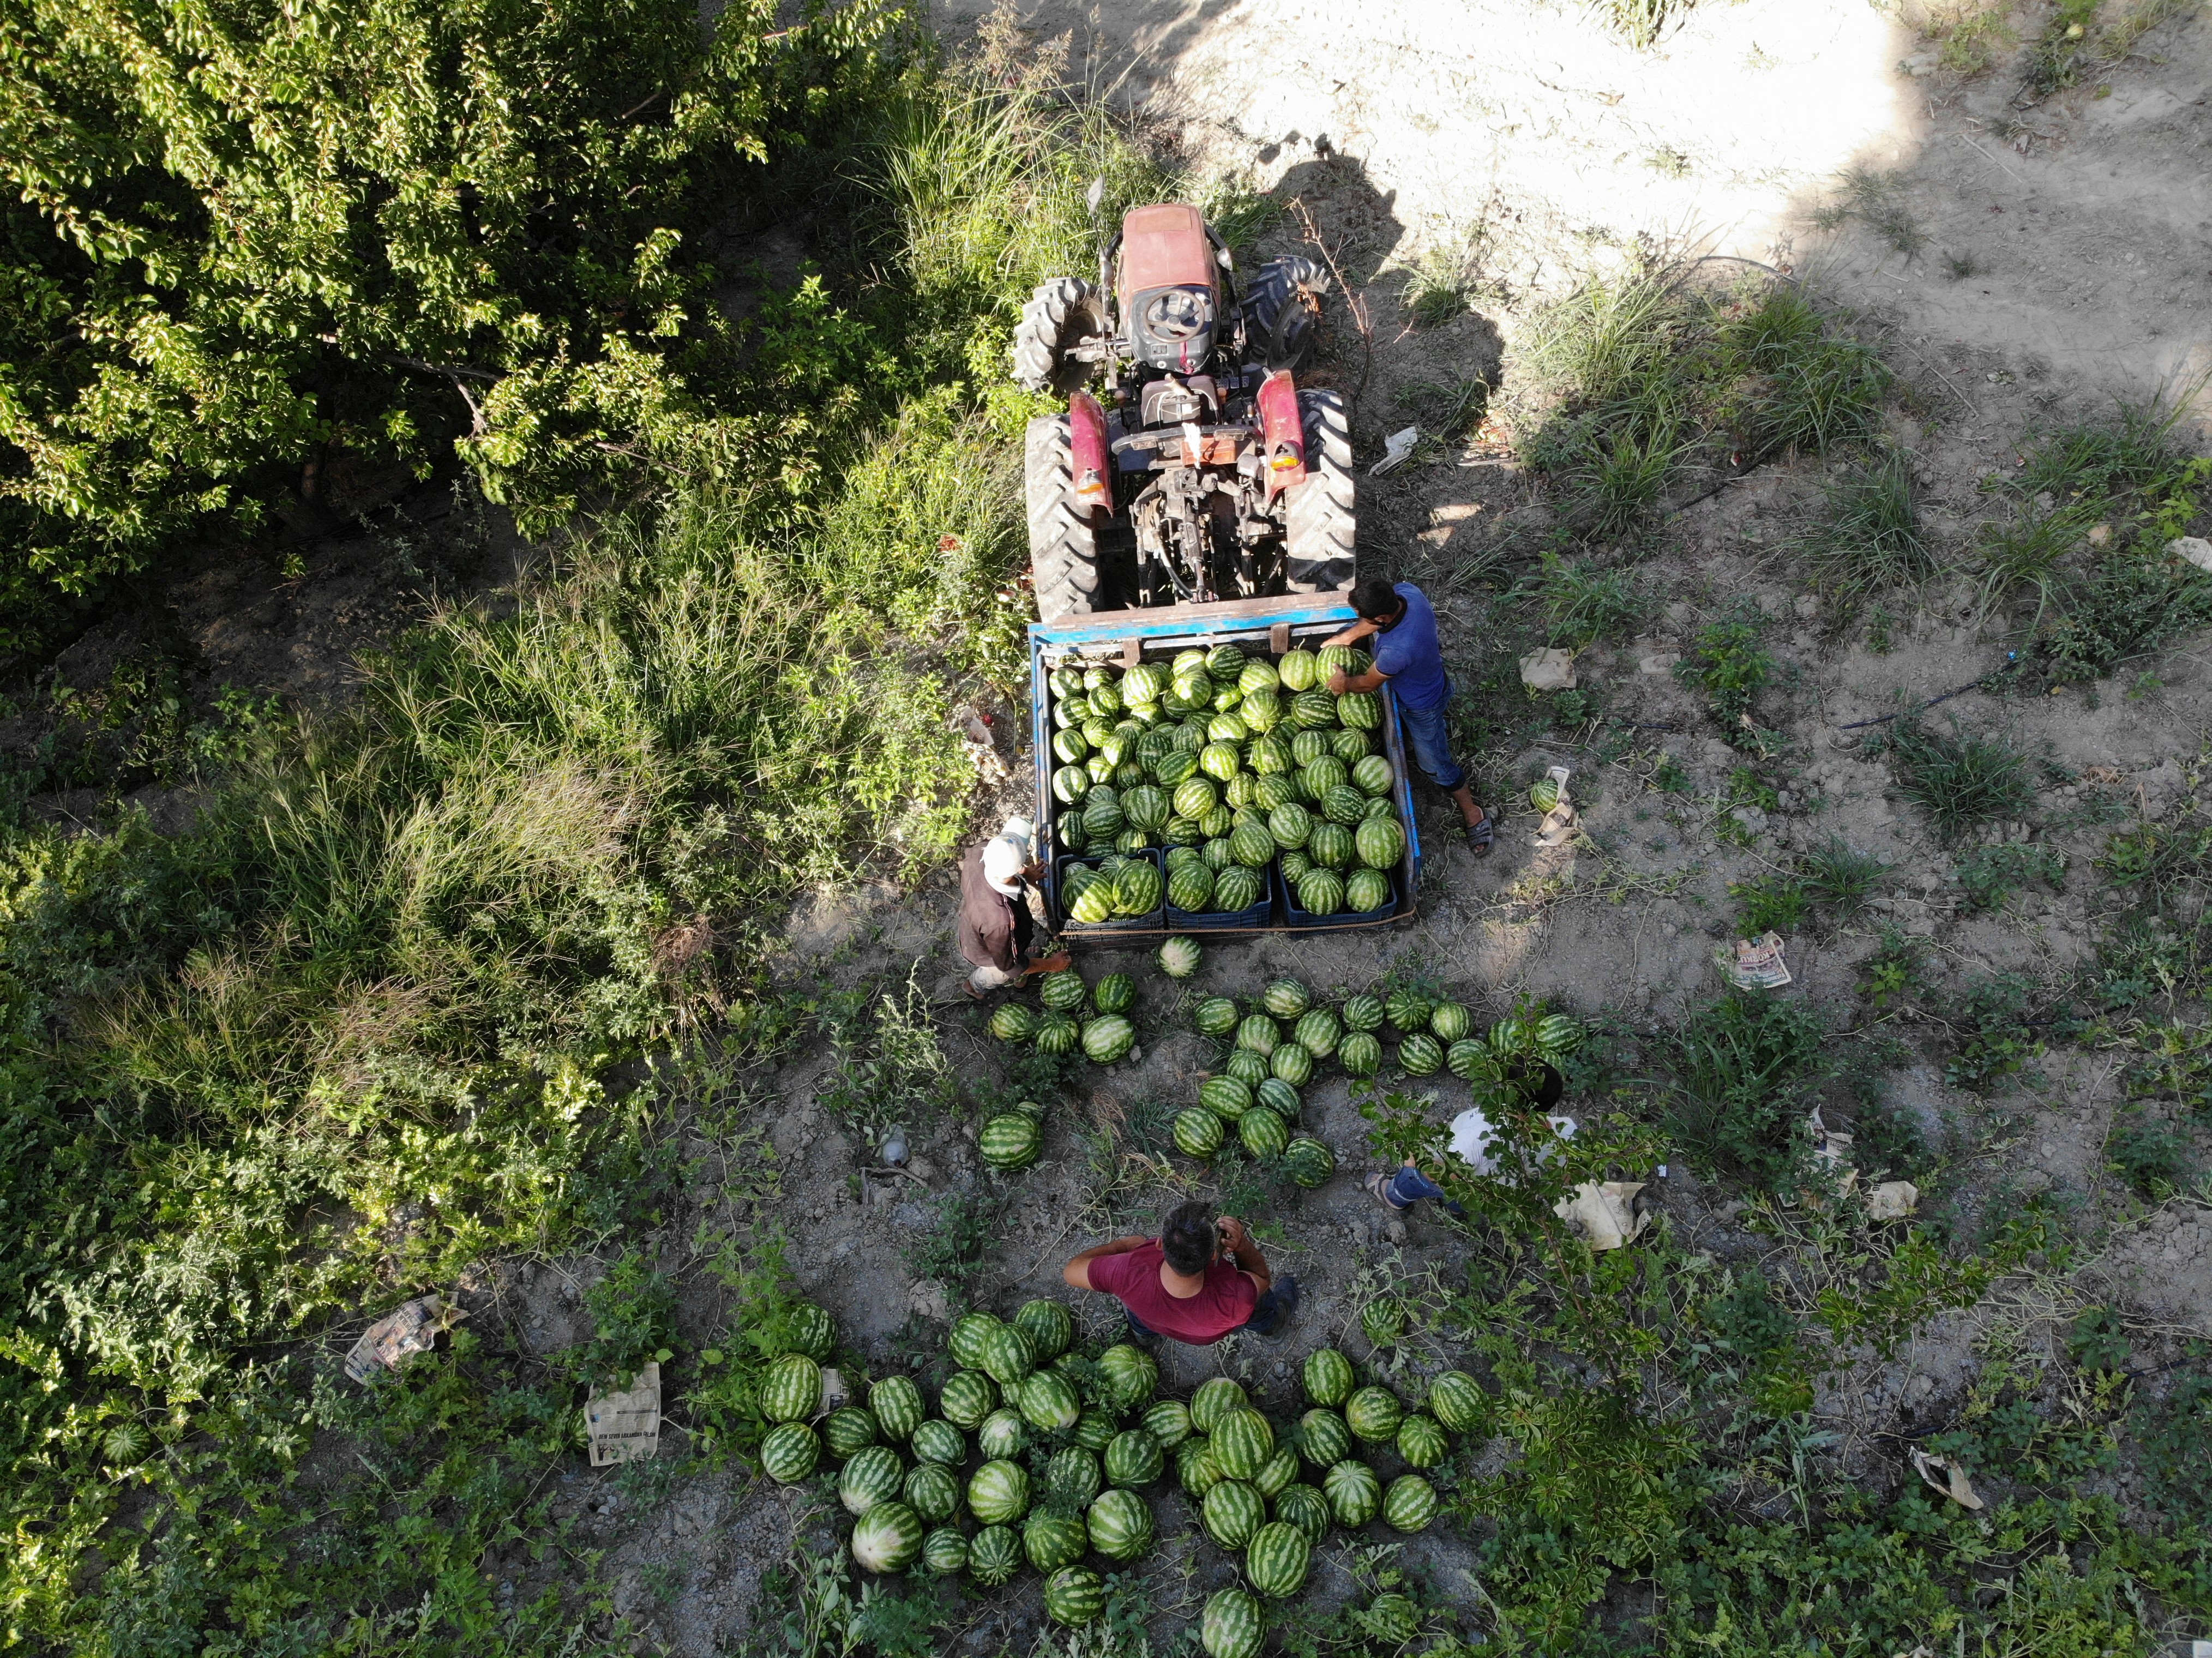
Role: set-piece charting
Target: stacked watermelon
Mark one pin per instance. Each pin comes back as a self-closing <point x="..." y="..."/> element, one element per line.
<point x="1235" y="765"/>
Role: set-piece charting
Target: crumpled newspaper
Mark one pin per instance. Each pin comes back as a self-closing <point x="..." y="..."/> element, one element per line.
<point x="410" y="1328"/>
<point x="624" y="1424"/>
<point x="1603" y="1213"/>
<point x="1396" y="449"/>
<point x="1548" y="670"/>
<point x="1755" y="963"/>
<point x="1893" y="1199"/>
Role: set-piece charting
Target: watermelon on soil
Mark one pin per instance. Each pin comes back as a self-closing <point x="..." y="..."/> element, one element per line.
<point x="1232" y="1624"/>
<point x="871" y="1475"/>
<point x="1421" y="1054"/>
<point x="1053" y="1541"/>
<point x="1056" y="1033"/>
<point x="1012" y="1141"/>
<point x="932" y="1492"/>
<point x="1108" y="1039"/>
<point x="1449" y="1022"/>
<point x="1002" y="1434"/>
<point x="1421" y="1443"/>
<point x="1217" y="1396"/>
<point x="809" y="1329"/>
<point x="1328" y="1377"/>
<point x="1007" y="1355"/>
<point x="1456" y="1400"/>
<point x="1364" y="1013"/>
<point x="1243" y="1443"/>
<point x="1291" y="1064"/>
<point x="1360" y="1054"/>
<point x="944" y="1551"/>
<point x="1178" y="957"/>
<point x="1072" y="1478"/>
<point x="995" y="1555"/>
<point x="1259" y="1033"/>
<point x="888" y="1538"/>
<point x="1048" y="1324"/>
<point x="1231" y="1511"/>
<point x="999" y="1493"/>
<point x="1198" y="1132"/>
<point x="967" y="1398"/>
<point x="1323" y="1440"/>
<point x="1277" y="1095"/>
<point x="1169" y="1422"/>
<point x="1277" y="1472"/>
<point x="1263" y="1133"/>
<point x="1248" y="1068"/>
<point x="966" y="1342"/>
<point x="1074" y="1595"/>
<point x="1133" y="1458"/>
<point x="1064" y="991"/>
<point x="792" y="1389"/>
<point x="1373" y="1414"/>
<point x="1318" y="1032"/>
<point x="1409" y="1504"/>
<point x="939" y="1442"/>
<point x="1225" y="1097"/>
<point x="1302" y="1506"/>
<point x="789" y="1452"/>
<point x="1195" y="1469"/>
<point x="1215" y="1016"/>
<point x="847" y="1430"/>
<point x="1309" y="1164"/>
<point x="1379" y="842"/>
<point x="1050" y="1402"/>
<point x="1121" y="1524"/>
<point x="1131" y="1373"/>
<point x="1114" y="993"/>
<point x="1354" y="1493"/>
<point x="1278" y="1560"/>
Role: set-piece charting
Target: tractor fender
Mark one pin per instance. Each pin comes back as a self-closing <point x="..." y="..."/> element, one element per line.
<point x="1282" y="434"/>
<point x="1091" y="471"/>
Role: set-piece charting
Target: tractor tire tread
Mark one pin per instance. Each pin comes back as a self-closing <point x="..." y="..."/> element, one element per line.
<point x="1057" y="315"/>
<point x="1321" y="521"/>
<point x="1063" y="545"/>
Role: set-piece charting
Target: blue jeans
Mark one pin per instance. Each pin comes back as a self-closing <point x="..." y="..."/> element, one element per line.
<point x="1432" y="744"/>
<point x="1409" y="1186"/>
<point x="1266" y="1312"/>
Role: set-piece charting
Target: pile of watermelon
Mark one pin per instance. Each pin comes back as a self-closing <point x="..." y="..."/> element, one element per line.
<point x="1073" y="1013"/>
<point x="1235" y="765"/>
<point x="1039" y="1456"/>
<point x="1283" y="1037"/>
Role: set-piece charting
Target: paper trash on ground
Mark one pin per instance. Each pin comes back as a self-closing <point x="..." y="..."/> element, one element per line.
<point x="1953" y="1482"/>
<point x="1893" y="1199"/>
<point x="1396" y="448"/>
<point x="625" y="1425"/>
<point x="1604" y="1214"/>
<point x="410" y="1328"/>
<point x="1832" y="1153"/>
<point x="1548" y="671"/>
<point x="835" y="1396"/>
<point x="1756" y="963"/>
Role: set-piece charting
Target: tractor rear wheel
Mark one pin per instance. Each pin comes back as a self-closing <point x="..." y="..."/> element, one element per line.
<point x="1063" y="545"/>
<point x="1318" y="523"/>
<point x="1059" y="314"/>
<point x="1282" y="312"/>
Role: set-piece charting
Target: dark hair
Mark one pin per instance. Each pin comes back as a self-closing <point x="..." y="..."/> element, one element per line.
<point x="1375" y="598"/>
<point x="1540" y="1083"/>
<point x="1188" y="1237"/>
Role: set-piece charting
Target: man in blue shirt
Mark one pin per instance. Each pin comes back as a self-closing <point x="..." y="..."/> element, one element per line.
<point x="1408" y="657"/>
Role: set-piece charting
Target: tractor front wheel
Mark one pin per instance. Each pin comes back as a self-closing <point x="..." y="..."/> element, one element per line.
<point x="1318" y="522"/>
<point x="1063" y="545"/>
<point x="1059" y="313"/>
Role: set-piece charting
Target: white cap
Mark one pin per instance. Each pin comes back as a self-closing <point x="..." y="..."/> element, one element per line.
<point x="1004" y="859"/>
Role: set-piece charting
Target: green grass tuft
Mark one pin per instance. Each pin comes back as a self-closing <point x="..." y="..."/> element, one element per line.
<point x="1959" y="781"/>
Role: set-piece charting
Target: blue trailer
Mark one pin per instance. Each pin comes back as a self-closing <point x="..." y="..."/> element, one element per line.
<point x="1261" y="627"/>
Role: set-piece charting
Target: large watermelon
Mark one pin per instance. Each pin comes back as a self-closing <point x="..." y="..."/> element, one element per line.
<point x="1313" y="710"/>
<point x="1063" y="992"/>
<point x="1410" y="1010"/>
<point x="1289" y="823"/>
<point x="970" y="1331"/>
<point x="939" y="1442"/>
<point x="809" y="1329"/>
<point x="1373" y="1414"/>
<point x="1215" y="1016"/>
<point x="1457" y="1401"/>
<point x="847" y="1430"/>
<point x="1220" y="760"/>
<point x="944" y="1551"/>
<point x="1262" y="709"/>
<point x="1365" y="892"/>
<point x="1421" y="1443"/>
<point x="1305" y="1507"/>
<point x="932" y="1492"/>
<point x="888" y="1538"/>
<point x="1270" y="757"/>
<point x="1053" y="1541"/>
<point x="1277" y="1472"/>
<point x="1002" y="1434"/>
<point x="1048" y="1324"/>
<point x="1328" y="1377"/>
<point x="1449" y="1022"/>
<point x="1197" y="1133"/>
<point x="1409" y="1504"/>
<point x="1236" y="889"/>
<point x="1232" y="1624"/>
<point x="1323" y="1440"/>
<point x="1227" y="726"/>
<point x="1195" y="797"/>
<point x="870" y="1475"/>
<point x="1050" y="1402"/>
<point x="1421" y="1054"/>
<point x="1190" y="888"/>
<point x="1072" y="1478"/>
<point x="1379" y="842"/>
<point x="1243" y="1443"/>
<point x="1373" y="775"/>
<point x="1130" y="1374"/>
<point x="1177" y="766"/>
<point x="1324" y="773"/>
<point x="1263" y="1133"/>
<point x="1308" y="1162"/>
<point x="1350" y="746"/>
<point x="1322" y="892"/>
<point x="792" y="1389"/>
<point x="1277" y="1094"/>
<point x="1345" y="807"/>
<point x="1102" y="816"/>
<point x="1056" y="1033"/>
<point x="1121" y="1524"/>
<point x="1088" y="894"/>
<point x="1195" y="1469"/>
<point x="1133" y="1458"/>
<point x="789" y="1452"/>
<point x="995" y="1555"/>
<point x="1286" y="999"/>
<point x="1293" y="865"/>
<point x="1114" y="993"/>
<point x="1224" y="1097"/>
<point x="1217" y="826"/>
<point x="1330" y="846"/>
<point x="1259" y="1033"/>
<point x="1108" y="1039"/>
<point x="1140" y="889"/>
<point x="1278" y="1560"/>
<point x="1145" y="806"/>
<point x="1360" y="1054"/>
<point x="1070" y="784"/>
<point x="1094" y="1430"/>
<point x="968" y="1397"/>
<point x="1012" y="1141"/>
<point x="1074" y="1595"/>
<point x="1354" y="1493"/>
<point x="999" y="1493"/>
<point x="1007" y="1355"/>
<point x="1069" y="746"/>
<point x="1247" y="1067"/>
<point x="1364" y="1013"/>
<point x="1252" y="845"/>
<point x="1217" y="1396"/>
<point x="1360" y="710"/>
<point x="1169" y="1422"/>
<point x="1233" y="1511"/>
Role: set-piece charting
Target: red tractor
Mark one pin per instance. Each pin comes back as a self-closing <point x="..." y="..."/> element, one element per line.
<point x="1198" y="472"/>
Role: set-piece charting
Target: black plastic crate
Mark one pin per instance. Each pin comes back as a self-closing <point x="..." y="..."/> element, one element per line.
<point x="1149" y="921"/>
<point x="1296" y="917"/>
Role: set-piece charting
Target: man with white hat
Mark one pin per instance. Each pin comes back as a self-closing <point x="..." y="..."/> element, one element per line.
<point x="995" y="923"/>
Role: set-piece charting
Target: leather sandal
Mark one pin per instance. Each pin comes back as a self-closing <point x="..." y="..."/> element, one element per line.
<point x="1481" y="836"/>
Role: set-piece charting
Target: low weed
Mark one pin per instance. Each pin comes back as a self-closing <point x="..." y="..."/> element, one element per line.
<point x="1839" y="878"/>
<point x="1771" y="903"/>
<point x="2084" y="37"/>
<point x="1740" y="1078"/>
<point x="2154" y="1158"/>
<point x="891" y="1070"/>
<point x="2175" y="1434"/>
<point x="1992" y="1036"/>
<point x="1581" y="604"/>
<point x="950" y="1249"/>
<point x="1869" y="538"/>
<point x="1893" y="971"/>
<point x="1989" y="875"/>
<point x="633" y="1310"/>
<point x="1875" y="200"/>
<point x="1642" y="23"/>
<point x="1959" y="781"/>
<point x="1727" y="664"/>
<point x="1969" y="36"/>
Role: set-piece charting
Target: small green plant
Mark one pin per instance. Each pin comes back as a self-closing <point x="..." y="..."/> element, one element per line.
<point x="1642" y="23"/>
<point x="1893" y="972"/>
<point x="1875" y="200"/>
<point x="1670" y="776"/>
<point x="1839" y="878"/>
<point x="1869" y="539"/>
<point x="632" y="1308"/>
<point x="1727" y="664"/>
<point x="2096" y="1340"/>
<point x="2154" y="1158"/>
<point x="1989" y="875"/>
<point x="1742" y="1074"/>
<point x="1994" y="1039"/>
<point x="951" y="1249"/>
<point x="2176" y="1437"/>
<point x="1771" y="903"/>
<point x="1879" y="621"/>
<point x="1581" y="604"/>
<point x="1959" y="781"/>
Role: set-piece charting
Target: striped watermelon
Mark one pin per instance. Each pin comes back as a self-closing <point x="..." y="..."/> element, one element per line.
<point x="1053" y="1541"/>
<point x="1449" y="1021"/>
<point x="1224" y="1097"/>
<point x="1215" y="1016"/>
<point x="870" y="1475"/>
<point x="1231" y="1512"/>
<point x="899" y="1407"/>
<point x="1220" y="760"/>
<point x="1013" y="1023"/>
<point x="1299" y="671"/>
<point x="1130" y="1373"/>
<point x="1251" y="845"/>
<point x="1134" y="1458"/>
<point x="792" y="1389"/>
<point x="1286" y="999"/>
<point x="1216" y="1397"/>
<point x="1467" y="1058"/>
<point x="1259" y="1033"/>
<point x="1236" y="889"/>
<point x="1289" y="823"/>
<point x="1313" y="710"/>
<point x="1421" y="1443"/>
<point x="1373" y="1414"/>
<point x="1194" y="796"/>
<point x="1108" y="1039"/>
<point x="1366" y="890"/>
<point x="1072" y="1478"/>
<point x="1190" y="887"/>
<point x="1364" y="1013"/>
<point x="1069" y="785"/>
<point x="1382" y="809"/>
<point x="1248" y="1068"/>
<point x="1322" y="892"/>
<point x="1169" y="1422"/>
<point x="1056" y="1033"/>
<point x="939" y="1442"/>
<point x="995" y="1555"/>
<point x="1258" y="674"/>
<point x="1102" y="818"/>
<point x="1227" y="726"/>
<point x="1073" y="836"/>
<point x="1140" y="889"/>
<point x="1291" y="1064"/>
<point x="1278" y="1560"/>
<point x="1007" y="1355"/>
<point x="1003" y="1434"/>
<point x="848" y="1431"/>
<point x="1278" y="1096"/>
<point x="1421" y="1054"/>
<point x="1309" y="1164"/>
<point x="999" y="1493"/>
<point x="1094" y="1430"/>
<point x="969" y="1330"/>
<point x="1457" y="1401"/>
<point x="1373" y="775"/>
<point x="1217" y="826"/>
<point x="1012" y="1141"/>
<point x="1321" y="773"/>
<point x="968" y="1397"/>
<point x="809" y="1330"/>
<point x="1262" y="709"/>
<point x="1048" y="1324"/>
<point x="1318" y="1032"/>
<point x="1263" y="1133"/>
<point x="1277" y="1472"/>
<point x="1243" y="1443"/>
<point x="932" y="1492"/>
<point x="1197" y="1133"/>
<point x="1383" y="1321"/>
<point x="1323" y="1440"/>
<point x="1306" y="1508"/>
<point x="1360" y="1054"/>
<point x="1330" y="846"/>
<point x="1145" y="806"/>
<point x="1063" y="992"/>
<point x="1050" y="1402"/>
<point x="1074" y="1595"/>
<point x="1354" y="1493"/>
<point x="1409" y="1009"/>
<point x="1379" y="842"/>
<point x="888" y="1538"/>
<point x="1114" y="993"/>
<point x="1276" y="790"/>
<point x="1195" y="1469"/>
<point x="1409" y="1504"/>
<point x="1270" y="757"/>
<point x="1345" y="806"/>
<point x="1179" y="957"/>
<point x="1360" y="710"/>
<point x="1177" y="765"/>
<point x="789" y="1452"/>
<point x="1121" y="1524"/>
<point x="1232" y="1624"/>
<point x="944" y="1551"/>
<point x="1329" y="1377"/>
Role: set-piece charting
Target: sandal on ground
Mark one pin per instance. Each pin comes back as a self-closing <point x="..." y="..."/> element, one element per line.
<point x="1480" y="837"/>
<point x="1377" y="1187"/>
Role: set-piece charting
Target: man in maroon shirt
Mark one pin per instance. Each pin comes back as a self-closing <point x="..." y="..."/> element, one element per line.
<point x="1197" y="1281"/>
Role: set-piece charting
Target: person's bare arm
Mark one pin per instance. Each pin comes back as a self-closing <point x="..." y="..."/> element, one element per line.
<point x="1351" y="635"/>
<point x="1372" y="680"/>
<point x="1077" y="1273"/>
<point x="1250" y="1260"/>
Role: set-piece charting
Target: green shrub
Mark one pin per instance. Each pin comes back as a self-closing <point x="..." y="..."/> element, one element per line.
<point x="1740" y="1076"/>
<point x="1727" y="663"/>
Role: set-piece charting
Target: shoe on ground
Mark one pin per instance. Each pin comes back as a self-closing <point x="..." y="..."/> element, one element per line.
<point x="1377" y="1187"/>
